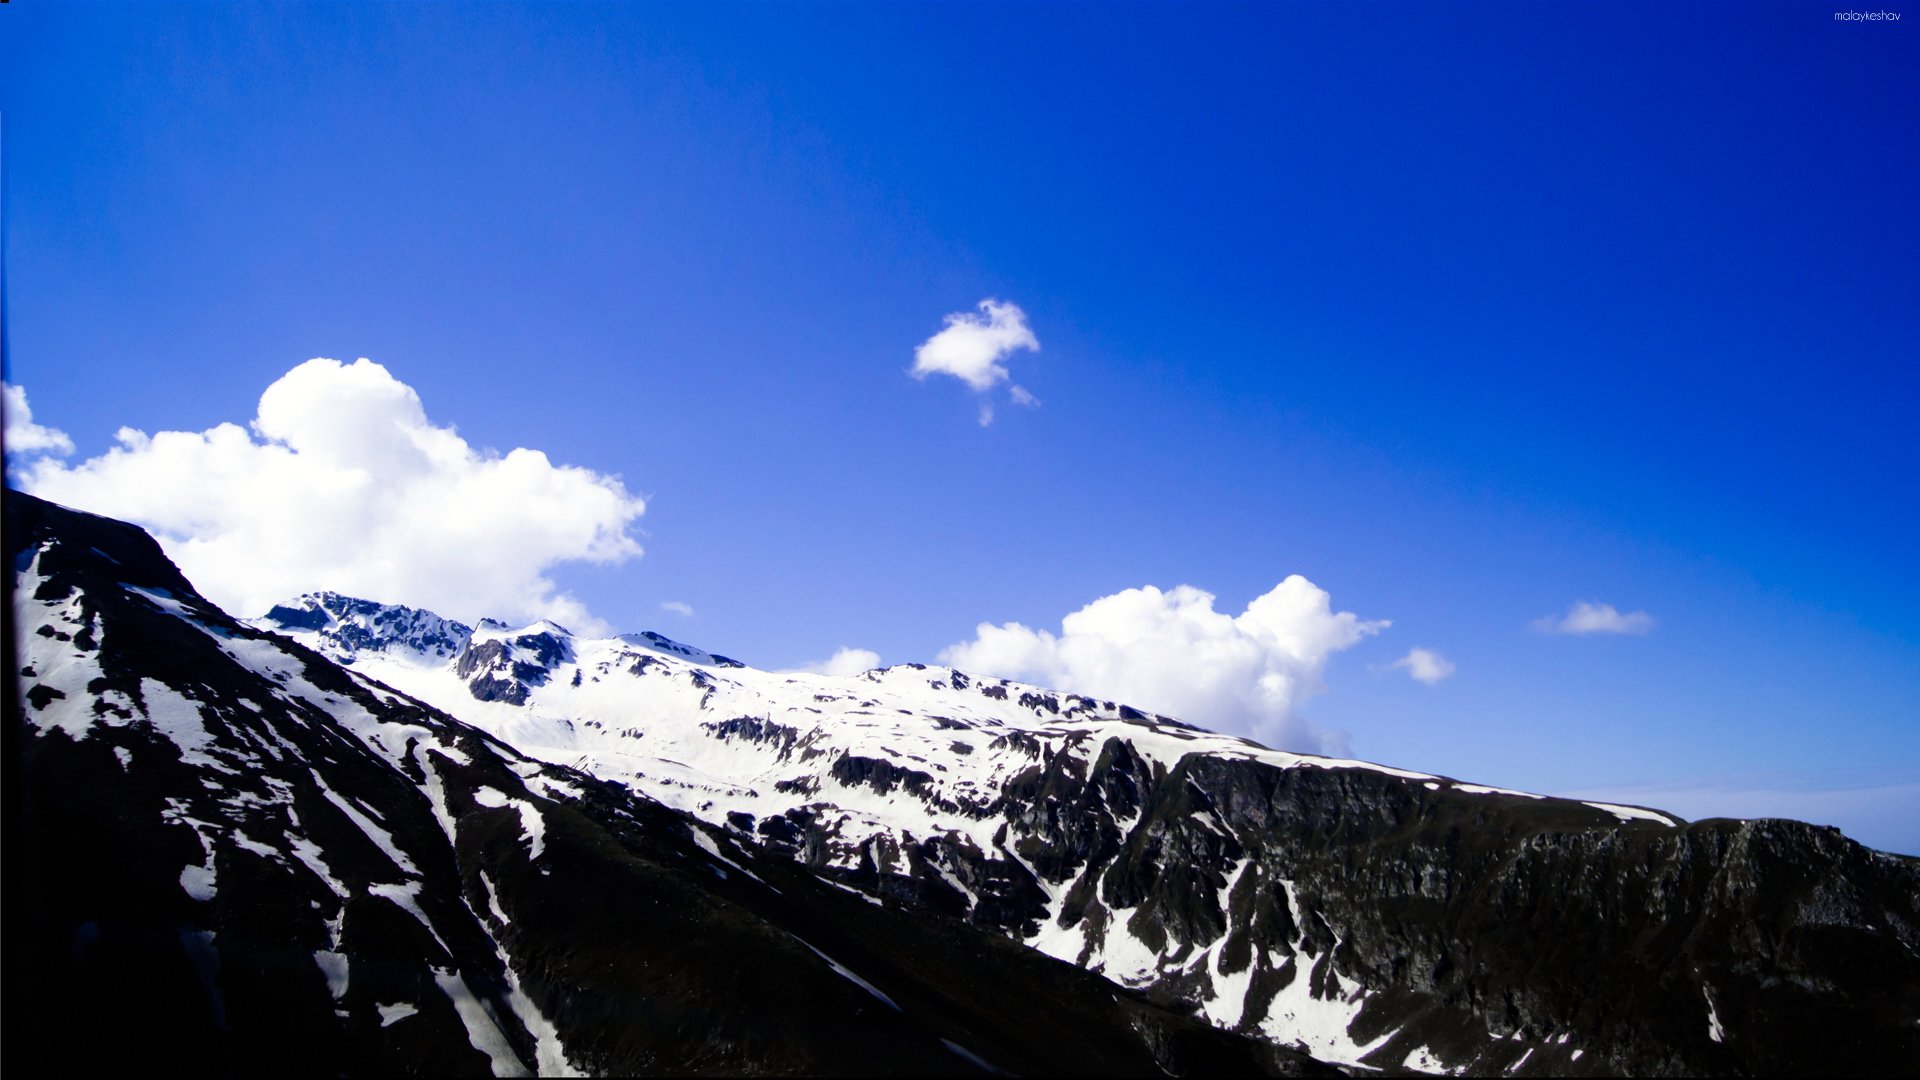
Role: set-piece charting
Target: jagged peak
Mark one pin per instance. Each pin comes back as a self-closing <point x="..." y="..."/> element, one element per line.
<point x="491" y="629"/>
<point x="345" y="626"/>
<point x="661" y="643"/>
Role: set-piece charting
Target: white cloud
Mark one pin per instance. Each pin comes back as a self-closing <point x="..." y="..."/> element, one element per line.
<point x="844" y="662"/>
<point x="1589" y="618"/>
<point x="1021" y="397"/>
<point x="1424" y="665"/>
<point x="677" y="607"/>
<point x="972" y="349"/>
<point x="23" y="435"/>
<point x="343" y="483"/>
<point x="1171" y="652"/>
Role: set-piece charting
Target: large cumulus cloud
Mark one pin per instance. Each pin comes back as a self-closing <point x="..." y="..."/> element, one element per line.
<point x="1172" y="653"/>
<point x="342" y="482"/>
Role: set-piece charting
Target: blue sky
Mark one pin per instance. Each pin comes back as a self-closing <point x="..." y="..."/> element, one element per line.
<point x="1465" y="313"/>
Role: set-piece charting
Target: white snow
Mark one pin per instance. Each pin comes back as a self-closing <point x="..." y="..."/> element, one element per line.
<point x="1714" y="1030"/>
<point x="248" y="844"/>
<point x="1635" y="813"/>
<point x="1318" y="1024"/>
<point x="673" y="723"/>
<point x="334" y="966"/>
<point x="436" y="793"/>
<point x="389" y="1014"/>
<point x="1123" y="958"/>
<point x="530" y="819"/>
<point x="1229" y="1001"/>
<point x="708" y="845"/>
<point x="57" y="665"/>
<point x="493" y="901"/>
<point x="199" y="880"/>
<point x="179" y="718"/>
<point x="1482" y="789"/>
<point x="1061" y="942"/>
<point x="309" y="854"/>
<point x="970" y="1057"/>
<point x="381" y="838"/>
<point x="550" y="1056"/>
<point x="482" y="1032"/>
<point x="645" y="729"/>
<point x="407" y="898"/>
<point x="847" y="973"/>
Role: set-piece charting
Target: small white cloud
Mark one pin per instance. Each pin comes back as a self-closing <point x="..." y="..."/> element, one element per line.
<point x="1424" y="665"/>
<point x="844" y="662"/>
<point x="343" y="483"/>
<point x="986" y="414"/>
<point x="677" y="607"/>
<point x="1172" y="653"/>
<point x="1021" y="397"/>
<point x="1590" y="618"/>
<point x="23" y="435"/>
<point x="972" y="347"/>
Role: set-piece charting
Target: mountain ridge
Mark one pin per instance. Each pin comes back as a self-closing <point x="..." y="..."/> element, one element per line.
<point x="248" y="858"/>
<point x="1143" y="848"/>
<point x="1381" y="918"/>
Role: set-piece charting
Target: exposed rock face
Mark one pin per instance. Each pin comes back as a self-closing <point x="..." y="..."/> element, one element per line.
<point x="236" y="856"/>
<point x="1375" y="916"/>
<point x="1488" y="929"/>
<point x="1378" y="916"/>
<point x="1370" y="915"/>
<point x="345" y="627"/>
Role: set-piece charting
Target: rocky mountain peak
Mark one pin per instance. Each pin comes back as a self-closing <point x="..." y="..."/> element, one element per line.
<point x="660" y="643"/>
<point x="344" y="627"/>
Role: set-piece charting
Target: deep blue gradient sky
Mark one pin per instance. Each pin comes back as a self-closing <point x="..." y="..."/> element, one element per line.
<point x="1463" y="312"/>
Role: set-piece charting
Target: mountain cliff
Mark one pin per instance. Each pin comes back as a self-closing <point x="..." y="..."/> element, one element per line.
<point x="240" y="857"/>
<point x="394" y="841"/>
<point x="1372" y="916"/>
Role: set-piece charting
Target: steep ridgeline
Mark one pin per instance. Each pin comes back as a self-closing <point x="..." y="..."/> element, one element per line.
<point x="1367" y="915"/>
<point x="238" y="857"/>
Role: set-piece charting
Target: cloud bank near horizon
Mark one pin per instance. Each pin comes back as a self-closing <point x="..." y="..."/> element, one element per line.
<point x="341" y="482"/>
<point x="1171" y="652"/>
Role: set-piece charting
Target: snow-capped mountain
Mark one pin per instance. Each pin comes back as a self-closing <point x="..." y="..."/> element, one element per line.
<point x="228" y="854"/>
<point x="357" y="838"/>
<point x="1367" y="915"/>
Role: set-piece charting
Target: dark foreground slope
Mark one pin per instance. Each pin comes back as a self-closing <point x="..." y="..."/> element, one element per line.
<point x="242" y="858"/>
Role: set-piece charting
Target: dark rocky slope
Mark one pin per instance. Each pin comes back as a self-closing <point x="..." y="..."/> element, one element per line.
<point x="1489" y="933"/>
<point x="240" y="858"/>
<point x="1419" y="922"/>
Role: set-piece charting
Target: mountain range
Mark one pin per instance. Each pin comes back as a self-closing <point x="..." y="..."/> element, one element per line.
<point x="357" y="837"/>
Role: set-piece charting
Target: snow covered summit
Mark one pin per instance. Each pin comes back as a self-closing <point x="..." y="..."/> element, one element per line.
<point x="1093" y="831"/>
